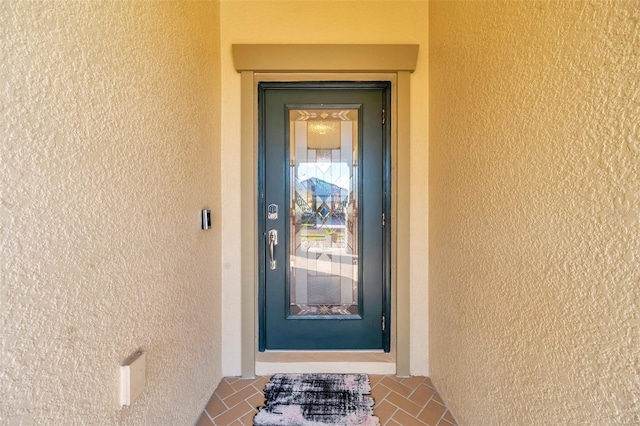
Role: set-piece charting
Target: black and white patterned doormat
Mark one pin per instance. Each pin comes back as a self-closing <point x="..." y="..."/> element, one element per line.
<point x="317" y="400"/>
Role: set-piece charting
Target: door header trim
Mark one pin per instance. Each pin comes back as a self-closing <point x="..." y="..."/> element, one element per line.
<point x="325" y="57"/>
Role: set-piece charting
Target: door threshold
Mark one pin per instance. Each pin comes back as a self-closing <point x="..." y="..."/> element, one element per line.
<point x="369" y="362"/>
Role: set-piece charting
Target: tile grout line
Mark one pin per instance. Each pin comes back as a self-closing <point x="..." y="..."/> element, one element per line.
<point x="425" y="406"/>
<point x="391" y="416"/>
<point x="397" y="408"/>
<point x="413" y="391"/>
<point x="209" y="415"/>
<point x="407" y="413"/>
<point x="444" y="413"/>
<point x="260" y="391"/>
<point x="389" y="391"/>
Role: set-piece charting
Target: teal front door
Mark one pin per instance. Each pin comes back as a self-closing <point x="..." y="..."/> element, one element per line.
<point x="324" y="201"/>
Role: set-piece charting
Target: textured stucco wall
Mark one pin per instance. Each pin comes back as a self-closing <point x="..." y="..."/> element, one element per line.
<point x="535" y="203"/>
<point x="108" y="121"/>
<point x="323" y="22"/>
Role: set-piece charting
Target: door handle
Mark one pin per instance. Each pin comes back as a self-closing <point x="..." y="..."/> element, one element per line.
<point x="273" y="241"/>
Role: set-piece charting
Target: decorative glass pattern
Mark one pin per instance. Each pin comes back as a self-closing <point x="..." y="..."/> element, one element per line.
<point x="324" y="212"/>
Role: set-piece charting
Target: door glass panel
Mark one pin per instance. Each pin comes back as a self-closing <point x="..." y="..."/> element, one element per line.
<point x="323" y="232"/>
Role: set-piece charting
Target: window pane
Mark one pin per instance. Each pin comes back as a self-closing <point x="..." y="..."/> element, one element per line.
<point x="324" y="211"/>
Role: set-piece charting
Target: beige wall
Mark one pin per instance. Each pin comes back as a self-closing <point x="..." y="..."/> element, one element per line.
<point x="109" y="151"/>
<point x="322" y="22"/>
<point x="535" y="204"/>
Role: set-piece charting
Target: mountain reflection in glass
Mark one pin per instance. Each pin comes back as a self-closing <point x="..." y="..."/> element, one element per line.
<point x="324" y="212"/>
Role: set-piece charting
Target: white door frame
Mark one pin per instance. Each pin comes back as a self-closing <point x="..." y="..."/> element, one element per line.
<point x="392" y="63"/>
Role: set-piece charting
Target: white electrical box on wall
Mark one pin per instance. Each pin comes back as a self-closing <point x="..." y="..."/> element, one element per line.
<point x="133" y="378"/>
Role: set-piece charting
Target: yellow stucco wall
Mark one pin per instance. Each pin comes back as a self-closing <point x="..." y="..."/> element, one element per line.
<point x="535" y="205"/>
<point x="109" y="139"/>
<point x="325" y="22"/>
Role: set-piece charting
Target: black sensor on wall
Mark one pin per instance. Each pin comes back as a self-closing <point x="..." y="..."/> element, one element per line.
<point x="206" y="219"/>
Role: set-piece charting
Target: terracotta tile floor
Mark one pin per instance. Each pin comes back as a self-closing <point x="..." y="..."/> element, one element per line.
<point x="405" y="402"/>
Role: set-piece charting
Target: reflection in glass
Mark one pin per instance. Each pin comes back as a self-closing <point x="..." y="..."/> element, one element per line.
<point x="324" y="211"/>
